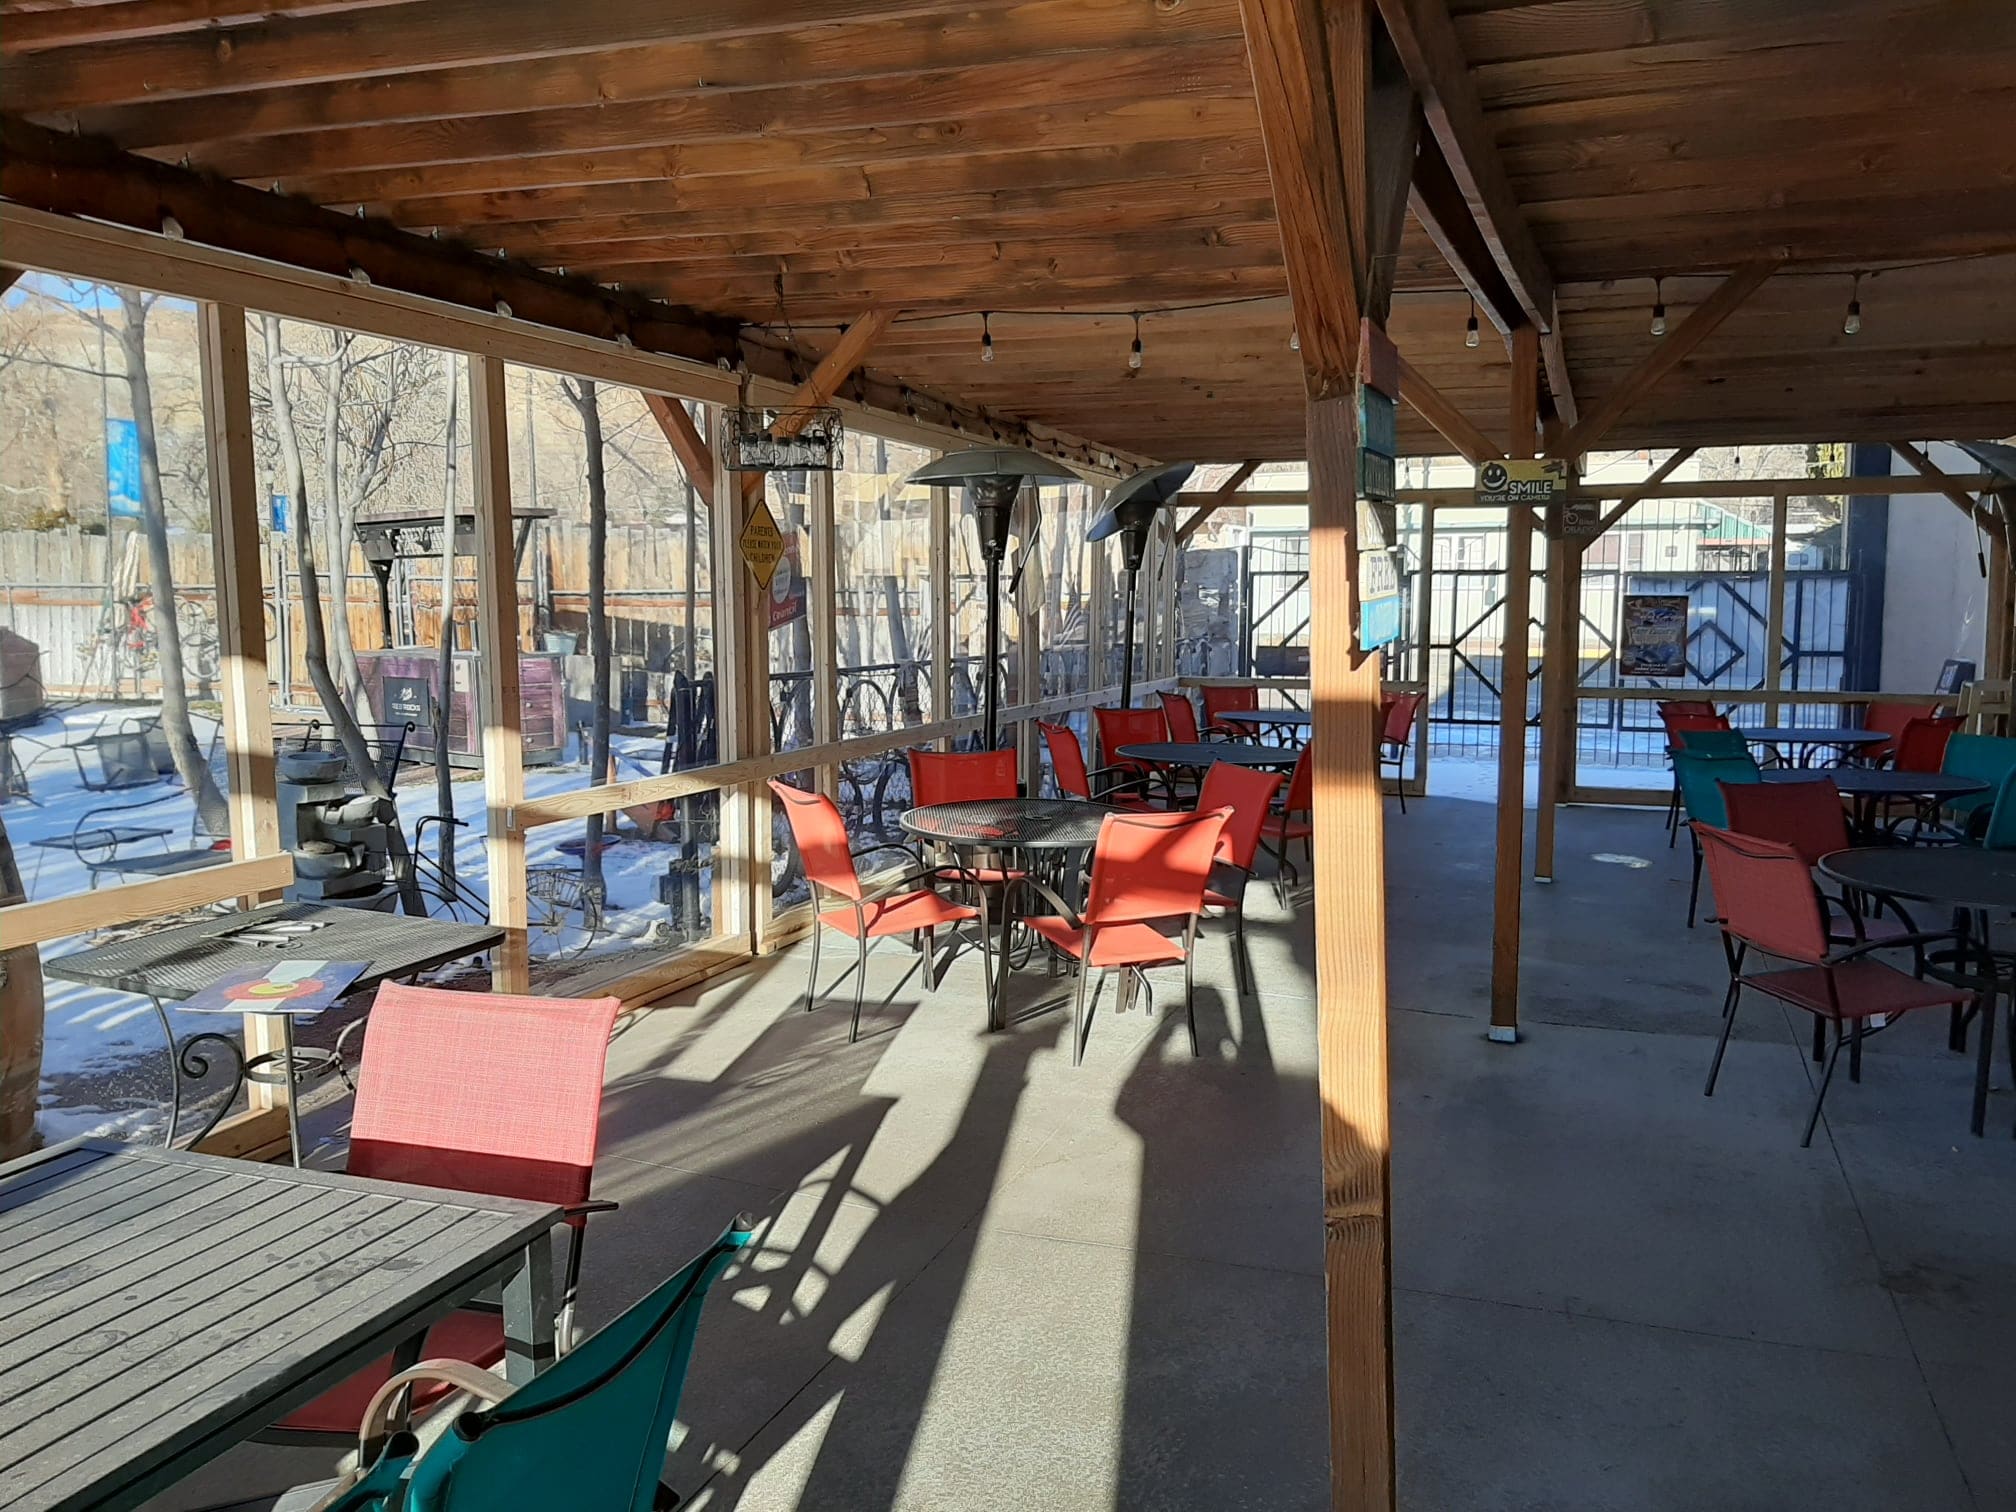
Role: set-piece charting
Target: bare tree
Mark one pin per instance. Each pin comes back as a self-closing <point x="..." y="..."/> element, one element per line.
<point x="582" y="393"/>
<point x="340" y="718"/>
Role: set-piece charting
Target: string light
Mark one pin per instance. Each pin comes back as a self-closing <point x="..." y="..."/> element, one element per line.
<point x="1294" y="339"/>
<point x="1470" y="337"/>
<point x="1851" y="324"/>
<point x="986" y="339"/>
<point x="1134" y="352"/>
<point x="1658" y="307"/>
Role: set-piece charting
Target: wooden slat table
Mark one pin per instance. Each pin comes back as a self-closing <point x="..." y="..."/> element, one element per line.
<point x="157" y="1307"/>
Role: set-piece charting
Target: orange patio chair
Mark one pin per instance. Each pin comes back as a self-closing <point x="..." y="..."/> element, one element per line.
<point x="1246" y="795"/>
<point x="1148" y="870"/>
<point x="1292" y="821"/>
<point x="1228" y="698"/>
<point x="1397" y="713"/>
<point x="902" y="909"/>
<point x="1122" y="788"/>
<point x="1181" y="717"/>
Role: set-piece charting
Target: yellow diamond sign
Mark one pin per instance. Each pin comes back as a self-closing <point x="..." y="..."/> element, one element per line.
<point x="762" y="543"/>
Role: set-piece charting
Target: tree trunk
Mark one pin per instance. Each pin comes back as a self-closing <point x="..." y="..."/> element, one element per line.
<point x="190" y="764"/>
<point x="317" y="652"/>
<point x="20" y="1023"/>
<point x="587" y="404"/>
<point x="444" y="666"/>
<point x="336" y="529"/>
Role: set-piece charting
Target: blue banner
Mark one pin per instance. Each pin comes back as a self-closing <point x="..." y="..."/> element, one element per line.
<point x="122" y="469"/>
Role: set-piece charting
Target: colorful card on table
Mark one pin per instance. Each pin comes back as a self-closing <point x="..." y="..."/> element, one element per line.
<point x="298" y="988"/>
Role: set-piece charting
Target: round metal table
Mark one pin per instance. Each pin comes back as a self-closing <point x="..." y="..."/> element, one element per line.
<point x="1975" y="883"/>
<point x="1198" y="754"/>
<point x="1048" y="830"/>
<point x="1808" y="743"/>
<point x="1867" y="787"/>
<point x="1298" y="720"/>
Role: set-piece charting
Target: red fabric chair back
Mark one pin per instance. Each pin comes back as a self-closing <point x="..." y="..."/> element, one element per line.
<point x="1120" y="727"/>
<point x="1689" y="715"/>
<point x="1921" y="744"/>
<point x="481" y="1093"/>
<point x="960" y="776"/>
<point x="1301" y="796"/>
<point x="1180" y="715"/>
<point x="1804" y="815"/>
<point x="1764" y="890"/>
<point x="1067" y="759"/>
<point x="1151" y="866"/>
<point x="1890" y="719"/>
<point x="821" y="836"/>
<point x="1245" y="794"/>
<point x="1396" y="717"/>
<point x="1232" y="698"/>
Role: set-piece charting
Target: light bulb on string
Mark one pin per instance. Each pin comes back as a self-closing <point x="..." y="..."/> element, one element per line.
<point x="986" y="339"/>
<point x="1851" y="324"/>
<point x="1134" y="352"/>
<point x="1658" y="307"/>
<point x="1294" y="339"/>
<point x="1470" y="337"/>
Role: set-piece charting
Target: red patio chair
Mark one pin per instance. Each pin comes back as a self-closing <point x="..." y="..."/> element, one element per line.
<point x="1181" y="717"/>
<point x="965" y="777"/>
<point x="1397" y="713"/>
<point x="1675" y="715"/>
<point x="904" y="909"/>
<point x="1247" y="796"/>
<point x="1921" y="744"/>
<point x="476" y="1092"/>
<point x="1067" y="765"/>
<point x="1125" y="727"/>
<point x="1766" y="896"/>
<point x="1809" y="817"/>
<point x="1228" y="698"/>
<point x="1891" y="719"/>
<point x="1292" y="821"/>
<point x="1147" y="869"/>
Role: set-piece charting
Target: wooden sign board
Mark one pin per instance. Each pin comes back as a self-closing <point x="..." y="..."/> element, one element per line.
<point x="762" y="543"/>
<point x="1532" y="483"/>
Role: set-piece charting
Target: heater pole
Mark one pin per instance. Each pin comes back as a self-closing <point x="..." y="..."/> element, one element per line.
<point x="990" y="683"/>
<point x="1127" y="652"/>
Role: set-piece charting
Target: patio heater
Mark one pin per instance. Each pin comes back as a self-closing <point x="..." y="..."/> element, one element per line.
<point x="993" y="477"/>
<point x="1130" y="513"/>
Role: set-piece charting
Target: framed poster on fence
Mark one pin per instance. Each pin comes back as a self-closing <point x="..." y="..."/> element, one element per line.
<point x="1655" y="635"/>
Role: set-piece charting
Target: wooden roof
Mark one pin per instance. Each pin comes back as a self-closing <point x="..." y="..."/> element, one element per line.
<point x="794" y="163"/>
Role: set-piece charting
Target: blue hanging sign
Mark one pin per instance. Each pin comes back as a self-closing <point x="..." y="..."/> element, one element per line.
<point x="122" y="470"/>
<point x="276" y="505"/>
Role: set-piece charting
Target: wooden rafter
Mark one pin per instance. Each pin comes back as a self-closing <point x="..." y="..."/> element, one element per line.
<point x="1427" y="43"/>
<point x="121" y="20"/>
<point x="1438" y="204"/>
<point x="1554" y="358"/>
<point x="688" y="445"/>
<point x="1700" y="324"/>
<point x="1392" y="133"/>
<point x="1659" y="475"/>
<point x="834" y="369"/>
<point x="1216" y="502"/>
<point x="1441" y="412"/>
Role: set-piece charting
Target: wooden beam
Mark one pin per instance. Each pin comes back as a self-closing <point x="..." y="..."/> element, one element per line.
<point x="1312" y="118"/>
<point x="81" y="176"/>
<point x="1427" y="43"/>
<point x="1301" y="125"/>
<point x="1560" y="671"/>
<point x="1432" y="405"/>
<point x="8" y="278"/>
<point x="122" y="20"/>
<point x="1513" y="678"/>
<point x="61" y="918"/>
<point x="1438" y="204"/>
<point x="1554" y="355"/>
<point x="1701" y="322"/>
<point x="1215" y="502"/>
<point x="1659" y="475"/>
<point x="1392" y="133"/>
<point x="1984" y="519"/>
<point x="688" y="445"/>
<point x="1774" y="617"/>
<point x="834" y="369"/>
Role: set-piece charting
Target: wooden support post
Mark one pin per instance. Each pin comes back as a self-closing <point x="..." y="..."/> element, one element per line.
<point x="241" y="628"/>
<point x="822" y="581"/>
<point x="1310" y="76"/>
<point x="1424" y="637"/>
<point x="1523" y="428"/>
<point x="497" y="667"/>
<point x="1774" y="618"/>
<point x="1560" y="665"/>
<point x="736" y="866"/>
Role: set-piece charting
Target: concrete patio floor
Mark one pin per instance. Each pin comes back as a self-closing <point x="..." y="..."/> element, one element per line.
<point x="988" y="1280"/>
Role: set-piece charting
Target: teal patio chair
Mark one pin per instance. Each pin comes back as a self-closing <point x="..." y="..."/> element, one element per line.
<point x="1698" y="775"/>
<point x="590" y="1431"/>
<point x="1990" y="758"/>
<point x="2001" y="831"/>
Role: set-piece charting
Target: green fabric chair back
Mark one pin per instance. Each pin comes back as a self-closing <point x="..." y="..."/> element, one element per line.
<point x="589" y="1431"/>
<point x="2001" y="831"/>
<point x="1987" y="757"/>
<point x="1712" y="743"/>
<point x="1698" y="776"/>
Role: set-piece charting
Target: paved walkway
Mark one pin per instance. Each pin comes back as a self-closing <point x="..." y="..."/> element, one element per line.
<point x="988" y="1280"/>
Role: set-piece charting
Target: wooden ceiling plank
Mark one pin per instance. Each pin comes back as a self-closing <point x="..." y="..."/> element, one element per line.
<point x="1427" y="43"/>
<point x="1700" y="324"/>
<point x="73" y="25"/>
<point x="1449" y="421"/>
<point x="1218" y="500"/>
